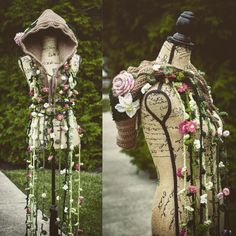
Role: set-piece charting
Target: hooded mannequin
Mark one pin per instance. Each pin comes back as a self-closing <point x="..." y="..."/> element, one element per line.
<point x="180" y="124"/>
<point x="50" y="67"/>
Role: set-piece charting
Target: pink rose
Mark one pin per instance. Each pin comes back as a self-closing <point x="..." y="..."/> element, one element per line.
<point x="192" y="189"/>
<point x="31" y="93"/>
<point x="122" y="83"/>
<point x="192" y="126"/>
<point x="60" y="117"/>
<point x="183" y="88"/>
<point x="179" y="173"/>
<point x="66" y="106"/>
<point x="77" y="167"/>
<point x="18" y="38"/>
<point x="50" y="158"/>
<point x="66" y="66"/>
<point x="188" y="126"/>
<point x="66" y="87"/>
<point x="183" y="127"/>
<point x="226" y="192"/>
<point x="45" y="89"/>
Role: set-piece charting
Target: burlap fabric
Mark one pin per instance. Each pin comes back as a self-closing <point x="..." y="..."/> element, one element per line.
<point x="127" y="129"/>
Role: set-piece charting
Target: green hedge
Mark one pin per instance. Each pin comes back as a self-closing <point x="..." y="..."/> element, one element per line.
<point x="84" y="17"/>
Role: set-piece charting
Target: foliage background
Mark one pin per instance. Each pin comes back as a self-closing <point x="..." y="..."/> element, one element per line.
<point x="135" y="30"/>
<point x="84" y="17"/>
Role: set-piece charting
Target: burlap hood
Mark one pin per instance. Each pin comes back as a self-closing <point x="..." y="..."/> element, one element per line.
<point x="49" y="23"/>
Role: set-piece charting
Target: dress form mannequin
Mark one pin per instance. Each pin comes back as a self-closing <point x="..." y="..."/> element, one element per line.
<point x="166" y="217"/>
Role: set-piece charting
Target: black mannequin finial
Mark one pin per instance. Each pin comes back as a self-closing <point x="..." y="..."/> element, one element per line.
<point x="184" y="26"/>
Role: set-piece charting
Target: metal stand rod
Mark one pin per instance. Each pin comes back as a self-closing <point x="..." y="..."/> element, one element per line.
<point x="53" y="208"/>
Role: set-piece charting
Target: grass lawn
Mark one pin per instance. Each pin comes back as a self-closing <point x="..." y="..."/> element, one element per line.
<point x="91" y="210"/>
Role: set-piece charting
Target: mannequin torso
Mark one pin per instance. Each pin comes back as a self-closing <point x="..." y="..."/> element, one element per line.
<point x="161" y="113"/>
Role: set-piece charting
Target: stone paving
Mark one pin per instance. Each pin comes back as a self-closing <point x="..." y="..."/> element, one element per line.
<point x="12" y="212"/>
<point x="127" y="196"/>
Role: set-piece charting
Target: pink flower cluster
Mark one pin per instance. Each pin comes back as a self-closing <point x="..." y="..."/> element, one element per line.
<point x="183" y="88"/>
<point x="18" y="38"/>
<point x="77" y="167"/>
<point x="187" y="126"/>
<point x="122" y="83"/>
<point x="60" y="117"/>
<point x="225" y="192"/>
<point x="192" y="189"/>
<point x="179" y="172"/>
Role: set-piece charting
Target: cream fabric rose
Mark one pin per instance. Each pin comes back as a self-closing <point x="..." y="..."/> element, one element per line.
<point x="122" y="83"/>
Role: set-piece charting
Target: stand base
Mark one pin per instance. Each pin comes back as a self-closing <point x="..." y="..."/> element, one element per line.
<point x="53" y="219"/>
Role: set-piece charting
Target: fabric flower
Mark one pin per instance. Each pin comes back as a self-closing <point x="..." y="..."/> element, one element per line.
<point x="207" y="222"/>
<point x="66" y="209"/>
<point x="156" y="67"/>
<point x="197" y="144"/>
<point x="122" y="83"/>
<point x="127" y="105"/>
<point x="203" y="199"/>
<point x="66" y="106"/>
<point x="183" y="88"/>
<point x="18" y="38"/>
<point x="66" y="66"/>
<point x="77" y="167"/>
<point x="60" y="117"/>
<point x="44" y="195"/>
<point x="226" y="133"/>
<point x="145" y="88"/>
<point x="65" y="187"/>
<point x="45" y="89"/>
<point x="183" y="127"/>
<point x="221" y="165"/>
<point x="192" y="189"/>
<point x="46" y="105"/>
<point x="209" y="185"/>
<point x="220" y="195"/>
<point x="226" y="191"/>
<point x="66" y="87"/>
<point x="192" y="126"/>
<point x="188" y="126"/>
<point x="181" y="172"/>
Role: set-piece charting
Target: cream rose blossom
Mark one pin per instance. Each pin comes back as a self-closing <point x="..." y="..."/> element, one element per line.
<point x="122" y="83"/>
